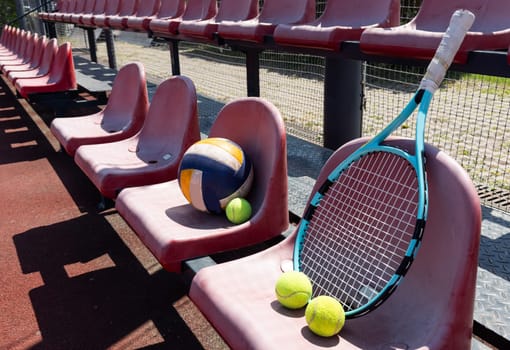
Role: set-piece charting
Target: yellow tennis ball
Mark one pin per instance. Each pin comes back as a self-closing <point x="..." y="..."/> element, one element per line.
<point x="293" y="289"/>
<point x="238" y="210"/>
<point x="325" y="316"/>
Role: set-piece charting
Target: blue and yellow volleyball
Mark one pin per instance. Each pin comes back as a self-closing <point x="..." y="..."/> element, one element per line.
<point x="212" y="172"/>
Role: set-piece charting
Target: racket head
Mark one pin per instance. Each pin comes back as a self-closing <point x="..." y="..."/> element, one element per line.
<point x="362" y="228"/>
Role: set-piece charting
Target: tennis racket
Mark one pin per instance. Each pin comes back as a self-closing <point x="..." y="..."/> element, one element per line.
<point x="362" y="229"/>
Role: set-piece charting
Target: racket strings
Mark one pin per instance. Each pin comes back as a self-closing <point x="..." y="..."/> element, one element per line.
<point x="361" y="228"/>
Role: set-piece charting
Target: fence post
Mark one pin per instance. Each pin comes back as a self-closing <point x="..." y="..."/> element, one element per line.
<point x="173" y="45"/>
<point x="252" y="72"/>
<point x="110" y="48"/>
<point x="20" y="13"/>
<point x="342" y="101"/>
<point x="92" y="44"/>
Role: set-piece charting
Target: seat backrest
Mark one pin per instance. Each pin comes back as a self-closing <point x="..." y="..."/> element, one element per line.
<point x="37" y="55"/>
<point x="25" y="41"/>
<point x="32" y="40"/>
<point x="199" y="9"/>
<point x="128" y="7"/>
<point x="237" y="10"/>
<point x="444" y="269"/>
<point x="66" y="5"/>
<point x="287" y="11"/>
<point x="5" y="31"/>
<point x="20" y="41"/>
<point x="13" y="37"/>
<point x="171" y="8"/>
<point x="257" y="126"/>
<point x="99" y="7"/>
<point x="147" y="8"/>
<point x="79" y="6"/>
<point x="62" y="68"/>
<point x="490" y="15"/>
<point x="71" y="6"/>
<point x="112" y="7"/>
<point x="47" y="57"/>
<point x="59" y="4"/>
<point x="89" y="6"/>
<point x="13" y="42"/>
<point x="171" y="125"/>
<point x="355" y="13"/>
<point x="127" y="106"/>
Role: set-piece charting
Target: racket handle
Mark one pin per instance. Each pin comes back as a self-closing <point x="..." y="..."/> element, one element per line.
<point x="460" y="23"/>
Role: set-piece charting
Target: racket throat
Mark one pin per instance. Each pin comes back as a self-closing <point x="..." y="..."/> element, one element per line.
<point x="419" y="96"/>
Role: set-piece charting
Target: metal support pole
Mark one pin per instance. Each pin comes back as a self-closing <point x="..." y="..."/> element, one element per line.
<point x="110" y="48"/>
<point x="19" y="12"/>
<point x="52" y="31"/>
<point x="342" y="101"/>
<point x="173" y="45"/>
<point x="92" y="44"/>
<point x="252" y="72"/>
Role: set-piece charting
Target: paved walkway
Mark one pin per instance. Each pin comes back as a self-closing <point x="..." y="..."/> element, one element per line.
<point x="72" y="278"/>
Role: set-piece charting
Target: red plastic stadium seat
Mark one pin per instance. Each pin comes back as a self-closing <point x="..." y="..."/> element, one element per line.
<point x="34" y="61"/>
<point x="77" y="9"/>
<point x="273" y="13"/>
<point x="431" y="309"/>
<point x="126" y="8"/>
<point x="16" y="52"/>
<point x="8" y="39"/>
<point x="174" y="231"/>
<point x="420" y="37"/>
<point x="23" y="53"/>
<point x="229" y="10"/>
<point x="111" y="9"/>
<point x="197" y="10"/>
<point x="4" y="36"/>
<point x="50" y="51"/>
<point x="87" y="18"/>
<point x="88" y="7"/>
<point x="32" y="40"/>
<point x="341" y="20"/>
<point x="154" y="153"/>
<point x="122" y="117"/>
<point x="44" y="16"/>
<point x="146" y="11"/>
<point x="66" y="6"/>
<point x="61" y="76"/>
<point x="169" y="9"/>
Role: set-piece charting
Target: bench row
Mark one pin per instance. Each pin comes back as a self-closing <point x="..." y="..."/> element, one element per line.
<point x="130" y="144"/>
<point x="36" y="64"/>
<point x="293" y="23"/>
<point x="138" y="169"/>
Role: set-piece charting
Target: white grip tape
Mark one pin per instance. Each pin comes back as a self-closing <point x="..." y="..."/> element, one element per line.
<point x="460" y="23"/>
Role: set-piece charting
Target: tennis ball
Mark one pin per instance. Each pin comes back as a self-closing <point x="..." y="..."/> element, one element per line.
<point x="325" y="316"/>
<point x="293" y="289"/>
<point x="238" y="210"/>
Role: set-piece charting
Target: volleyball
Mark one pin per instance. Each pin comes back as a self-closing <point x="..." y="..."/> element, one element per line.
<point x="212" y="172"/>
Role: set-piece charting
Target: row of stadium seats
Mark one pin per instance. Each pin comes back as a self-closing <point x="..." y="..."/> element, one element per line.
<point x="375" y="23"/>
<point x="131" y="151"/>
<point x="132" y="144"/>
<point x="36" y="64"/>
<point x="232" y="19"/>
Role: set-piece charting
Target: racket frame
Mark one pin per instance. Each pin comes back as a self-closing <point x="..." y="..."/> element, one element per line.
<point x="421" y="99"/>
<point x="460" y="23"/>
